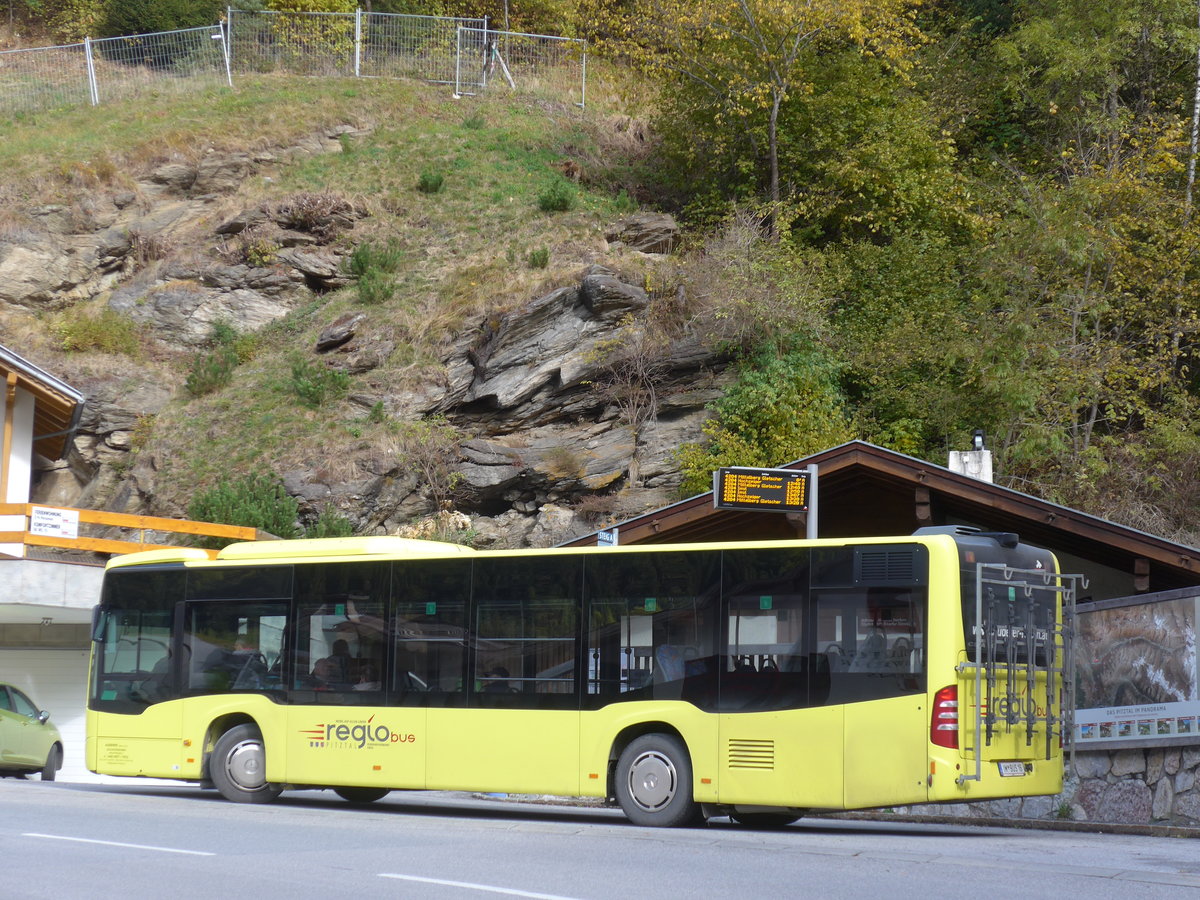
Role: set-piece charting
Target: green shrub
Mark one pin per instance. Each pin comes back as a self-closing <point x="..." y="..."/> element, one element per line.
<point x="369" y="256"/>
<point x="316" y="385"/>
<point x="539" y="258"/>
<point x="257" y="250"/>
<point x="782" y="407"/>
<point x="430" y="183"/>
<point x="557" y="196"/>
<point x="106" y="331"/>
<point x="330" y="523"/>
<point x="624" y="203"/>
<point x="256" y="501"/>
<point x="211" y="370"/>
<point x="375" y="287"/>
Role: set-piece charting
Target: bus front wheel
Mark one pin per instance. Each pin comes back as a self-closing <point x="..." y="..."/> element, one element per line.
<point x="654" y="782"/>
<point x="238" y="767"/>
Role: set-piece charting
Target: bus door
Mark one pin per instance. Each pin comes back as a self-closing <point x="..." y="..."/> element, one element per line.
<point x="519" y="728"/>
<point x="780" y="743"/>
<point x="135" y="673"/>
<point x="347" y="725"/>
<point x="872" y="639"/>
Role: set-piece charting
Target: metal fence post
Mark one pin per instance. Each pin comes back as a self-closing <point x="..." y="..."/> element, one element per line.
<point x="458" y="61"/>
<point x="583" y="83"/>
<point x="229" y="42"/>
<point x="93" y="91"/>
<point x="225" y="53"/>
<point x="357" y="42"/>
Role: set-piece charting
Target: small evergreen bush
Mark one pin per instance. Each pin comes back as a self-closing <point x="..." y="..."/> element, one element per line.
<point x="369" y="256"/>
<point x="557" y="196"/>
<point x="330" y="523"/>
<point x="316" y="385"/>
<point x="430" y="183"/>
<point x="211" y="371"/>
<point x="539" y="258"/>
<point x="256" y="501"/>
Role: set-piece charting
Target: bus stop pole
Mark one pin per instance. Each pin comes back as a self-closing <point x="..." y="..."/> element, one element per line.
<point x="811" y="524"/>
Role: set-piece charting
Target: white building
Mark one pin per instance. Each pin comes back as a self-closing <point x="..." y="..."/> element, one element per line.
<point x="45" y="604"/>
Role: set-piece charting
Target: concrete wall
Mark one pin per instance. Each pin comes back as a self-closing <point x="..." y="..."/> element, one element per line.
<point x="32" y="589"/>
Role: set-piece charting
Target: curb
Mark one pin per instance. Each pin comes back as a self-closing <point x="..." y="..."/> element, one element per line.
<point x="1169" y="831"/>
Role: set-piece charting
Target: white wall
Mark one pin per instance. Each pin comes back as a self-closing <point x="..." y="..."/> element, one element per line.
<point x="19" y="465"/>
<point x="55" y="680"/>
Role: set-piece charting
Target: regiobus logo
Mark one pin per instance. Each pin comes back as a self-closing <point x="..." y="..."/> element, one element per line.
<point x="354" y="734"/>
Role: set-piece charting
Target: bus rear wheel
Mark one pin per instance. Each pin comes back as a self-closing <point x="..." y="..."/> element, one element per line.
<point x="654" y="782"/>
<point x="238" y="767"/>
<point x="361" y="794"/>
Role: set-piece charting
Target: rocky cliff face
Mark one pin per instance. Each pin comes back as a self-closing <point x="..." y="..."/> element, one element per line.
<point x="560" y="406"/>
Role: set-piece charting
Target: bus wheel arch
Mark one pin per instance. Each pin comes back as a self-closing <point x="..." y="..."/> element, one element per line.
<point x="652" y="777"/>
<point x="236" y="764"/>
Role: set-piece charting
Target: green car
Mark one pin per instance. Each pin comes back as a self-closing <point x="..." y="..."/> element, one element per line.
<point x="28" y="742"/>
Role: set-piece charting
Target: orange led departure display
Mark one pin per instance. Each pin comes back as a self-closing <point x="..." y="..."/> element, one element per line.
<point x="768" y="490"/>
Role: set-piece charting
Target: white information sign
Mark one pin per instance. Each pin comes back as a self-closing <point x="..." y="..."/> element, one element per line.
<point x="61" y="523"/>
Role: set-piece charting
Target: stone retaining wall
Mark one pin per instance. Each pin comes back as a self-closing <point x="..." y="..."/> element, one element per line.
<point x="1156" y="786"/>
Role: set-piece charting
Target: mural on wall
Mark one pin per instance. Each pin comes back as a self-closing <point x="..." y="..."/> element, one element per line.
<point x="1136" y="673"/>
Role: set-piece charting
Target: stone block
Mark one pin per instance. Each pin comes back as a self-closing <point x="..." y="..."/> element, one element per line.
<point x="1185" y="780"/>
<point x="1128" y="762"/>
<point x="1093" y="764"/>
<point x="1154" y="766"/>
<point x="1126" y="801"/>
<point x="1187" y="808"/>
<point x="1172" y="759"/>
<point x="1164" y="799"/>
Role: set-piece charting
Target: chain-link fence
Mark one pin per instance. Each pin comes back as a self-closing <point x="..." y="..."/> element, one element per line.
<point x="438" y="49"/>
<point x="113" y="69"/>
<point x="535" y="63"/>
<point x="369" y="45"/>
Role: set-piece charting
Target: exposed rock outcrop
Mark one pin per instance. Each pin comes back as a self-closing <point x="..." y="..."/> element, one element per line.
<point x="535" y="393"/>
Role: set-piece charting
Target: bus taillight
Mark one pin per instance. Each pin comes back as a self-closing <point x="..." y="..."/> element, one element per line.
<point x="943" y="725"/>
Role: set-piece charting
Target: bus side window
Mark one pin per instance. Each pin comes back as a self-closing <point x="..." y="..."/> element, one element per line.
<point x="765" y="594"/>
<point x="524" y="633"/>
<point x="429" y="633"/>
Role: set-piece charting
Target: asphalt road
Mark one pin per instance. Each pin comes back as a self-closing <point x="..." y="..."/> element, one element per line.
<point x="68" y="841"/>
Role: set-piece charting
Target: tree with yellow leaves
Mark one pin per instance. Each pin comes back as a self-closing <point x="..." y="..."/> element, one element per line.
<point x="747" y="57"/>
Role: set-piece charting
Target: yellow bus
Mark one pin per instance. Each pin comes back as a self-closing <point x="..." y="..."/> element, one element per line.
<point x="752" y="680"/>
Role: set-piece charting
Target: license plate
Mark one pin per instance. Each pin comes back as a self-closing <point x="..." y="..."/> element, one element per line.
<point x="1012" y="769"/>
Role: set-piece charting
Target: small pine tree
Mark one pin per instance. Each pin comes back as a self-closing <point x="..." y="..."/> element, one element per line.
<point x="256" y="501"/>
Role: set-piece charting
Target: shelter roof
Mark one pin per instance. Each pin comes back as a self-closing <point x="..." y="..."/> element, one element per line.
<point x="57" y="406"/>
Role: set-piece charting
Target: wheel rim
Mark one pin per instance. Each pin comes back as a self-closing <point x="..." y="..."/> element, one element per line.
<point x="245" y="765"/>
<point x="652" y="781"/>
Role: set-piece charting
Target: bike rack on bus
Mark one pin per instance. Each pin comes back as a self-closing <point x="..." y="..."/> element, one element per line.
<point x="1011" y="629"/>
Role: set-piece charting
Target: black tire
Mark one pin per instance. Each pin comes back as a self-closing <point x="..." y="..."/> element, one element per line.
<point x="654" y="782"/>
<point x="764" y="820"/>
<point x="238" y="767"/>
<point x="53" y="763"/>
<point x="358" y="795"/>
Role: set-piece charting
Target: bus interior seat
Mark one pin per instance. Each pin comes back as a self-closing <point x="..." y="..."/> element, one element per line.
<point x="872" y="655"/>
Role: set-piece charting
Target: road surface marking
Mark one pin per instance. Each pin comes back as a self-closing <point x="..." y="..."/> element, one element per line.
<point x="476" y="887"/>
<point x="63" y="837"/>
